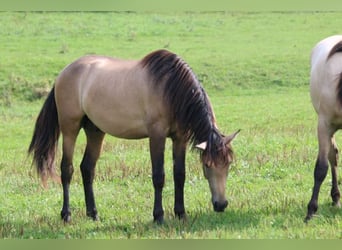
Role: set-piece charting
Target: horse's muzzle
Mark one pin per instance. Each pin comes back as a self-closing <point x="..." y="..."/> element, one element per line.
<point x="220" y="206"/>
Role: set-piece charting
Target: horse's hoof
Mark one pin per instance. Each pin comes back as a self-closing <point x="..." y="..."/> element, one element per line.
<point x="312" y="209"/>
<point x="159" y="220"/>
<point x="93" y="215"/>
<point x="307" y="218"/>
<point x="181" y="216"/>
<point x="337" y="204"/>
<point x="66" y="216"/>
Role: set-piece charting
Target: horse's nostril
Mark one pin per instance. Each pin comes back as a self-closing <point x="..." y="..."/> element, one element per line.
<point x="219" y="207"/>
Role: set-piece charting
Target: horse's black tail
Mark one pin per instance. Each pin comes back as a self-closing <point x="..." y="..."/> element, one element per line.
<point x="337" y="49"/>
<point x="45" y="137"/>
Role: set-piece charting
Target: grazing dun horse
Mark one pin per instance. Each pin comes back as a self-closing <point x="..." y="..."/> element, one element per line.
<point x="156" y="97"/>
<point x="326" y="96"/>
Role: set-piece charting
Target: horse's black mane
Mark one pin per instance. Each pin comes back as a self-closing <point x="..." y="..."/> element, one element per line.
<point x="187" y="99"/>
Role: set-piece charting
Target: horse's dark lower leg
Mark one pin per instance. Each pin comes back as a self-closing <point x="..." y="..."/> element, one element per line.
<point x="157" y="146"/>
<point x="320" y="173"/>
<point x="179" y="177"/>
<point x="69" y="138"/>
<point x="87" y="170"/>
<point x="333" y="159"/>
<point x="91" y="155"/>
<point x="66" y="175"/>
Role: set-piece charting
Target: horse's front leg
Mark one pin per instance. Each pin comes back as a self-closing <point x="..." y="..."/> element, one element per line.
<point x="179" y="148"/>
<point x="157" y="147"/>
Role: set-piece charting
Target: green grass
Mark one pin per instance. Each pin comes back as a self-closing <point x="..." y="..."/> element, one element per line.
<point x="255" y="68"/>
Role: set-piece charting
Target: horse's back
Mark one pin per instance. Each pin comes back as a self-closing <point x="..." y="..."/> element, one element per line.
<point x="326" y="67"/>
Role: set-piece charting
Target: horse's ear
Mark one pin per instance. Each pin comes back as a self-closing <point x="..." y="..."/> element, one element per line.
<point x="202" y="146"/>
<point x="227" y="139"/>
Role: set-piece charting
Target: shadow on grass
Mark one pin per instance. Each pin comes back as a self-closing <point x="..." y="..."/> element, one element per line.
<point x="202" y="223"/>
<point x="253" y="223"/>
<point x="197" y="224"/>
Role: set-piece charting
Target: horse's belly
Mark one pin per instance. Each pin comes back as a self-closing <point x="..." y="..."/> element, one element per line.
<point x="122" y="126"/>
<point x="131" y="131"/>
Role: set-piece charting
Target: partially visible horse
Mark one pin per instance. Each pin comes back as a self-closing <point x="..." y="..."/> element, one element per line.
<point x="156" y="97"/>
<point x="326" y="96"/>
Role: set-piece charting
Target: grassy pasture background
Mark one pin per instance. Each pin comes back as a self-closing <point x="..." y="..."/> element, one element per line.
<point x="255" y="68"/>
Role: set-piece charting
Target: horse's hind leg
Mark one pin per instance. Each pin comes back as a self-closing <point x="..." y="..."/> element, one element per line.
<point x="324" y="140"/>
<point x="69" y="138"/>
<point x="333" y="159"/>
<point x="90" y="157"/>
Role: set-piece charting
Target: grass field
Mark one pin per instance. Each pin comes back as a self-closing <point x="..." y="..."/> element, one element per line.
<point x="254" y="67"/>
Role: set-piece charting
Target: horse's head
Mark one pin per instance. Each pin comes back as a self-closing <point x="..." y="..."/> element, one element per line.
<point x="216" y="159"/>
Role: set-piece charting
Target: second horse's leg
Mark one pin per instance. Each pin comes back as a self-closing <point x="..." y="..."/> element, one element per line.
<point x="325" y="134"/>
